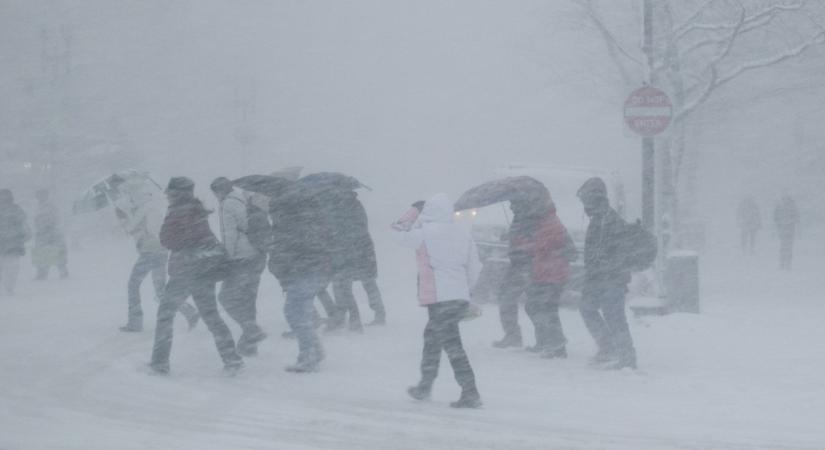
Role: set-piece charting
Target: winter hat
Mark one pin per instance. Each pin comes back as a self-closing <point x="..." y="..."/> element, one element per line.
<point x="592" y="188"/>
<point x="221" y="184"/>
<point x="180" y="184"/>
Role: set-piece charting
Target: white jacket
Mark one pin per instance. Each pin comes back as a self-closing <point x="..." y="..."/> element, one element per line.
<point x="448" y="264"/>
<point x="232" y="216"/>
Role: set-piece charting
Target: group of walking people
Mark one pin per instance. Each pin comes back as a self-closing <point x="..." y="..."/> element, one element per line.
<point x="49" y="249"/>
<point x="541" y="250"/>
<point x="311" y="242"/>
<point x="308" y="243"/>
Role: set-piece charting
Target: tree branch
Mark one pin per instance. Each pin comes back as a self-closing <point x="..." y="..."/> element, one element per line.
<point x="716" y="81"/>
<point x="608" y="36"/>
<point x="714" y="71"/>
<point x="751" y="20"/>
<point x="678" y="31"/>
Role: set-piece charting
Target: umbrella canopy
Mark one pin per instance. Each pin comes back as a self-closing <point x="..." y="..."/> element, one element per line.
<point x="104" y="192"/>
<point x="269" y="185"/>
<point x="321" y="183"/>
<point x="510" y="189"/>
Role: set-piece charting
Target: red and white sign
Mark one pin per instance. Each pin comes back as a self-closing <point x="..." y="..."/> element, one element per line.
<point x="648" y="111"/>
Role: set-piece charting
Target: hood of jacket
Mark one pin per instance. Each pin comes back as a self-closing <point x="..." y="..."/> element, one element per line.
<point x="438" y="209"/>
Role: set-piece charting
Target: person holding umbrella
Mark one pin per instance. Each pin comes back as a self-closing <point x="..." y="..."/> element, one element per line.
<point x="448" y="267"/>
<point x="354" y="259"/>
<point x="141" y="217"/>
<point x="301" y="261"/>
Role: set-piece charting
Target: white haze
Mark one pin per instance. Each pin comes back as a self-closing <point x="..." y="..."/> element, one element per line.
<point x="412" y="98"/>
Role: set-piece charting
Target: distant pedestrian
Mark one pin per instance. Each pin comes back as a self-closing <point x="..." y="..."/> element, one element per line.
<point x="786" y="217"/>
<point x="194" y="265"/>
<point x="602" y="305"/>
<point x="49" y="240"/>
<point x="14" y="233"/>
<point x="448" y="267"/>
<point x="750" y="222"/>
<point x="239" y="291"/>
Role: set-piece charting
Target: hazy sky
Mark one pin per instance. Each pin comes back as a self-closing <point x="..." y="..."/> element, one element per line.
<point x="412" y="96"/>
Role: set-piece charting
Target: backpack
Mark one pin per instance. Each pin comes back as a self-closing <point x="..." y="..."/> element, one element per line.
<point x="258" y="228"/>
<point x="642" y="247"/>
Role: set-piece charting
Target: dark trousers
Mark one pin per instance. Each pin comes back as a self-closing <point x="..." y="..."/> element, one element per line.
<point x="513" y="286"/>
<point x="542" y="306"/>
<point x="329" y="305"/>
<point x="239" y="294"/>
<point x="345" y="299"/>
<point x="154" y="263"/>
<point x="786" y="238"/>
<point x="298" y="310"/>
<point x="603" y="312"/>
<point x="442" y="333"/>
<point x="178" y="289"/>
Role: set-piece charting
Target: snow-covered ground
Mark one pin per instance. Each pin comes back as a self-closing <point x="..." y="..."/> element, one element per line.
<point x="746" y="373"/>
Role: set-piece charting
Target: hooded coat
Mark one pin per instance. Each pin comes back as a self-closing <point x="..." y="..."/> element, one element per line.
<point x="232" y="214"/>
<point x="447" y="257"/>
<point x="540" y="242"/>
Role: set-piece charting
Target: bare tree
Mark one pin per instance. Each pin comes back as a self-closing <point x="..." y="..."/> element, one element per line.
<point x="699" y="47"/>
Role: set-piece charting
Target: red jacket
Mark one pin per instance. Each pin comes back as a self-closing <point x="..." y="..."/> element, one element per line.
<point x="544" y="244"/>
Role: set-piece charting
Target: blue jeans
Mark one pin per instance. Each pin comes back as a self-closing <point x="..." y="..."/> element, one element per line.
<point x="298" y="310"/>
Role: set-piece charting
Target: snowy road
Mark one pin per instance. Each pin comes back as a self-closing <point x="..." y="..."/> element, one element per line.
<point x="747" y="373"/>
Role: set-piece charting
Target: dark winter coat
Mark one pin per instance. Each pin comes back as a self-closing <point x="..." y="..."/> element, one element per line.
<point x="353" y="254"/>
<point x="300" y="239"/>
<point x="541" y="245"/>
<point x="185" y="230"/>
<point x="13" y="231"/>
<point x="605" y="250"/>
<point x="748" y="215"/>
<point x="786" y="215"/>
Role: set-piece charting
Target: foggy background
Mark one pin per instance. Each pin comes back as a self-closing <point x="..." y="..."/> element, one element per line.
<point x="412" y="97"/>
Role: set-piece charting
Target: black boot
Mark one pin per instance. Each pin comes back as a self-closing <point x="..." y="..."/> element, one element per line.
<point x="132" y="327"/>
<point x="419" y="392"/>
<point x="469" y="399"/>
<point x="509" y="340"/>
<point x="558" y="353"/>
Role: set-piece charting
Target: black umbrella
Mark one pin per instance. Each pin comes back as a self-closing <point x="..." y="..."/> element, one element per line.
<point x="321" y="183"/>
<point x="510" y="189"/>
<point x="269" y="185"/>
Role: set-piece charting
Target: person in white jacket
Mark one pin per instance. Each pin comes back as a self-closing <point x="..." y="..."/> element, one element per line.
<point x="239" y="291"/>
<point x="140" y="214"/>
<point x="448" y="267"/>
